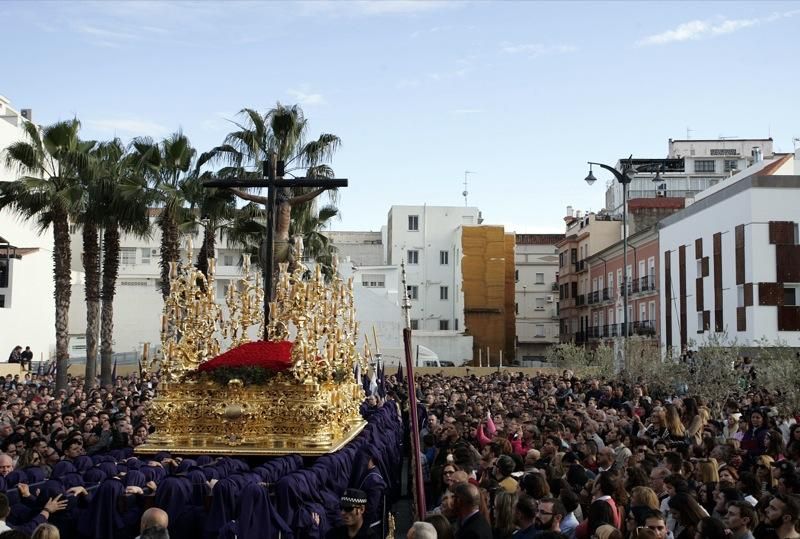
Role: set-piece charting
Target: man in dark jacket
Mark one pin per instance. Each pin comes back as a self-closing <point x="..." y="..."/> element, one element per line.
<point x="351" y="509"/>
<point x="466" y="505"/>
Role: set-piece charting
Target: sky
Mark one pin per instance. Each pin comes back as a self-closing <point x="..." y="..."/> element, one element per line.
<point x="522" y="94"/>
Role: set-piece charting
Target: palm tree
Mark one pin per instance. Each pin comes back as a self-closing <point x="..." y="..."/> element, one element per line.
<point x="164" y="167"/>
<point x="213" y="209"/>
<point x="126" y="210"/>
<point x="49" y="190"/>
<point x="280" y="133"/>
<point x="308" y="223"/>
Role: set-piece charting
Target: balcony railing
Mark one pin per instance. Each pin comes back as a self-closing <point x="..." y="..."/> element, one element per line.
<point x="580" y="265"/>
<point x="554" y="287"/>
<point x="593" y="297"/>
<point x="607" y="294"/>
<point x="580" y="300"/>
<point x="645" y="328"/>
<point x="647" y="283"/>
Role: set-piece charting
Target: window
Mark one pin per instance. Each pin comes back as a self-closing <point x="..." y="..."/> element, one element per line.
<point x="516" y="308"/>
<point x="413" y="257"/>
<point x="413" y="291"/>
<point x="444" y="325"/>
<point x="443" y="292"/>
<point x="700" y="327"/>
<point x="227" y="260"/>
<point x="652" y="306"/>
<point x="413" y="222"/>
<point x="704" y="165"/>
<point x="145" y="255"/>
<point x="222" y="288"/>
<point x="455" y="324"/>
<point x="2" y="301"/>
<point x="4" y="273"/>
<point x="444" y="258"/>
<point x="414" y="323"/>
<point x="538" y="330"/>
<point x="373" y="280"/>
<point x="731" y="164"/>
<point x="539" y="304"/>
<point x="127" y="256"/>
<point x="516" y="276"/>
<point x="642" y="312"/>
<point x="540" y="278"/>
<point x="790" y="295"/>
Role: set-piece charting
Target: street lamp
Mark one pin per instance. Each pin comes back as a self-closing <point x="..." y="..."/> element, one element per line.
<point x="624" y="178"/>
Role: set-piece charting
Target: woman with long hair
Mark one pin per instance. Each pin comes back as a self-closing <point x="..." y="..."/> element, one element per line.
<point x="656" y="428"/>
<point x="687" y="513"/>
<point x="755" y="440"/>
<point x="503" y="517"/>
<point x="692" y="421"/>
<point x="677" y="433"/>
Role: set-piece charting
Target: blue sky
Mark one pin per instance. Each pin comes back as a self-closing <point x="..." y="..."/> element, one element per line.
<point x="521" y="93"/>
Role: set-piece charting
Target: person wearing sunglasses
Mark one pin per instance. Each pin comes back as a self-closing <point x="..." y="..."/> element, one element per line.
<point x="351" y="509"/>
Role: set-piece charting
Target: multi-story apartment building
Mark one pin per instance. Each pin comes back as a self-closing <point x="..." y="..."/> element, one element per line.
<point x="691" y="167"/>
<point x="606" y="300"/>
<point x="585" y="235"/>
<point x="359" y="248"/>
<point x="536" y="294"/>
<point x="428" y="239"/>
<point x="27" y="305"/>
<point x="731" y="260"/>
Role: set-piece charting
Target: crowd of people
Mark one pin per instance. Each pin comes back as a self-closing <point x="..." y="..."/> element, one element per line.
<point x="68" y="469"/>
<point x="558" y="457"/>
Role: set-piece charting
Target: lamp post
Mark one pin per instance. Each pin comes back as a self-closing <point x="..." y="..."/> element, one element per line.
<point x="624" y="178"/>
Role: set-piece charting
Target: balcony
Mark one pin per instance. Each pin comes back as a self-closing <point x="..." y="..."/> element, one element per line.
<point x="580" y="300"/>
<point x="646" y="328"/>
<point x="647" y="283"/>
<point x="593" y="297"/>
<point x="554" y="287"/>
<point x="580" y="265"/>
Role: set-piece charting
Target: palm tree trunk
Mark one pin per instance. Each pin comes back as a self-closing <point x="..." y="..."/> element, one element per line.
<point x="169" y="248"/>
<point x="283" y="219"/>
<point x="91" y="266"/>
<point x="62" y="259"/>
<point x="110" y="271"/>
<point x="207" y="250"/>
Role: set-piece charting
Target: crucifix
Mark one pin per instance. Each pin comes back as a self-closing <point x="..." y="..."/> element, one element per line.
<point x="277" y="195"/>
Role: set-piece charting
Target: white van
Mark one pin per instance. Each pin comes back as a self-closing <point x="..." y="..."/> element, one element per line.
<point x="425" y="357"/>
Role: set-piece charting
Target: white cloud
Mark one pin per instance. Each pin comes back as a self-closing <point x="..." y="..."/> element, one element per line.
<point x="304" y="97"/>
<point x="697" y="29"/>
<point x="536" y="49"/>
<point x="104" y="34"/>
<point x="132" y="126"/>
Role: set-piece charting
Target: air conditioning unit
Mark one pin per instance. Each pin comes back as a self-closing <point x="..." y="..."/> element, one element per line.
<point x="549" y="299"/>
<point x="154" y="252"/>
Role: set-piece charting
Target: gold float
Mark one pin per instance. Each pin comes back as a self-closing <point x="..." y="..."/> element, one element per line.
<point x="311" y="409"/>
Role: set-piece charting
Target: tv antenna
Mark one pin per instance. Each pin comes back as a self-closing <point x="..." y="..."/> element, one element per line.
<point x="689" y="132"/>
<point x="466" y="192"/>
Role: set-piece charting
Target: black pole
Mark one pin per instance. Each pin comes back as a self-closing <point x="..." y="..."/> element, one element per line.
<point x="269" y="244"/>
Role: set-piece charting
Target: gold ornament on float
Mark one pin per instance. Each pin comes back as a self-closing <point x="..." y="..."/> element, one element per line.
<point x="311" y="408"/>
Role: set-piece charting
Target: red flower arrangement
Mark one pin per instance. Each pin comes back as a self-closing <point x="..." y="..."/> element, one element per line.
<point x="270" y="355"/>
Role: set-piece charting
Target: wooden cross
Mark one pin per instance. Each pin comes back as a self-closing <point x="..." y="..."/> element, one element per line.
<point x="273" y="180"/>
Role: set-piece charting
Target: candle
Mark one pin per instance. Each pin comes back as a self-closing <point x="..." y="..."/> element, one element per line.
<point x="189" y="244"/>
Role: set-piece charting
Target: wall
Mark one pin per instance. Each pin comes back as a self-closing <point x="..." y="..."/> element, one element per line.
<point x="531" y="258"/>
<point x="30" y="320"/>
<point x="754" y="208"/>
<point x="485" y="283"/>
<point x="361" y="248"/>
<point x="437" y="231"/>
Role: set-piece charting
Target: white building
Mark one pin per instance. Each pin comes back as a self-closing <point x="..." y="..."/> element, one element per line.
<point x="138" y="302"/>
<point x="731" y="260"/>
<point x="536" y="291"/>
<point x="359" y="248"/>
<point x="428" y="238"/>
<point x="27" y="305"/>
<point x="691" y="167"/>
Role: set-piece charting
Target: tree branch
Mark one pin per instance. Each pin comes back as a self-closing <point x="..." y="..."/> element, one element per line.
<point x="300" y="199"/>
<point x="248" y="196"/>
